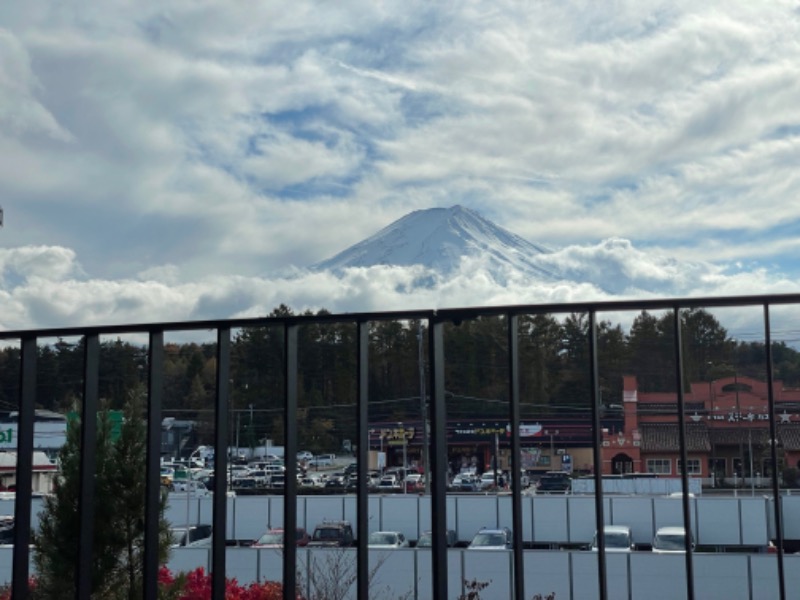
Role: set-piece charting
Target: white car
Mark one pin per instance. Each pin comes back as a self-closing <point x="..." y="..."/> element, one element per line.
<point x="193" y="488"/>
<point x="618" y="538"/>
<point x="261" y="477"/>
<point x="488" y="480"/>
<point x="415" y="479"/>
<point x="199" y="536"/>
<point x="465" y="482"/>
<point x="304" y="455"/>
<point x="670" y="540"/>
<point x="389" y="483"/>
<point x="492" y="539"/>
<point x="323" y="460"/>
<point x="387" y="540"/>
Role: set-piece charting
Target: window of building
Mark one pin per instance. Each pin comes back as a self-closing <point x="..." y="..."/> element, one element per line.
<point x="662" y="466"/>
<point x="694" y="466"/>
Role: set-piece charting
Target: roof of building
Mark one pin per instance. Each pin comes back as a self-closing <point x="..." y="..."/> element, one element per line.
<point x="663" y="437"/>
<point x="668" y="408"/>
<point x="739" y="435"/>
<point x="8" y="462"/>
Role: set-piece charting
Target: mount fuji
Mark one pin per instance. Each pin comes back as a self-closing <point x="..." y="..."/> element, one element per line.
<point x="440" y="239"/>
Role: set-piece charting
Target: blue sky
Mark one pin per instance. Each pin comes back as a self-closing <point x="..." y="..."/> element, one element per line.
<point x="184" y="159"/>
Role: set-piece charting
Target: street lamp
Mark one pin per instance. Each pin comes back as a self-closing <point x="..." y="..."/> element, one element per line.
<point x="405" y="455"/>
<point x="552" y="433"/>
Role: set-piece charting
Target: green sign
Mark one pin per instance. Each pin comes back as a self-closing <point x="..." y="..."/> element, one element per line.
<point x="115" y="416"/>
<point x="7" y="436"/>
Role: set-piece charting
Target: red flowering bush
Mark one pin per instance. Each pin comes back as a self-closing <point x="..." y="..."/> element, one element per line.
<point x="196" y="585"/>
<point x="5" y="590"/>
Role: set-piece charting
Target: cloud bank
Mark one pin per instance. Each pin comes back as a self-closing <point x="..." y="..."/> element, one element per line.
<point x="41" y="289"/>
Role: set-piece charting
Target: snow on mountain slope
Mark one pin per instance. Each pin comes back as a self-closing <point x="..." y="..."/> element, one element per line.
<point x="440" y="239"/>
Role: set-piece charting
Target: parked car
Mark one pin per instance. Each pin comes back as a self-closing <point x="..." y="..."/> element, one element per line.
<point x="332" y="533"/>
<point x="194" y="536"/>
<point x="492" y="539"/>
<point x="337" y="482"/>
<point x="261" y="477"/>
<point x="464" y="482"/>
<point x="323" y="460"/>
<point x="7" y="531"/>
<point x="274" y="469"/>
<point x="244" y="483"/>
<point x="618" y="538"/>
<point x="670" y="540"/>
<point x="306" y="482"/>
<point x="387" y="540"/>
<point x="554" y="481"/>
<point x="487" y="480"/>
<point x="304" y="455"/>
<point x="415" y="482"/>
<point x="238" y="471"/>
<point x="319" y="479"/>
<point x="167" y="475"/>
<point x="426" y="539"/>
<point x="274" y="539"/>
<point x="680" y="495"/>
<point x="389" y="483"/>
<point x="197" y="488"/>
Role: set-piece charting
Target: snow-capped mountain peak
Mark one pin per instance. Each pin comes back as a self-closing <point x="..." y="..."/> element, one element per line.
<point x="439" y="239"/>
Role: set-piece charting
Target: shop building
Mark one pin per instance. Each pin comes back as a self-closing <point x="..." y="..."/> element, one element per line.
<point x="727" y="432"/>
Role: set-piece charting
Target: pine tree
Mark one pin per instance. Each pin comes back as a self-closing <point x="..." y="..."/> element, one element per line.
<point x="118" y="541"/>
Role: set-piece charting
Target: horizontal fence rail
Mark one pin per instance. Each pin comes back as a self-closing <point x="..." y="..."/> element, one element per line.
<point x="442" y="582"/>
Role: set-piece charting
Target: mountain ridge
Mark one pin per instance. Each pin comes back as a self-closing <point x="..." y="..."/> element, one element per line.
<point x="440" y="239"/>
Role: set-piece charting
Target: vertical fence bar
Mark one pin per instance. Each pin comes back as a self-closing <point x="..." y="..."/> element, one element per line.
<point x="155" y="387"/>
<point x="22" y="504"/>
<point x="219" y="515"/>
<point x="290" y="457"/>
<point x="682" y="451"/>
<point x="362" y="434"/>
<point x="439" y="459"/>
<point x="597" y="440"/>
<point x="512" y="322"/>
<point x="773" y="453"/>
<point x="86" y="500"/>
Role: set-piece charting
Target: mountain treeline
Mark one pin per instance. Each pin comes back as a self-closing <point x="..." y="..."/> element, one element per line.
<point x="554" y="357"/>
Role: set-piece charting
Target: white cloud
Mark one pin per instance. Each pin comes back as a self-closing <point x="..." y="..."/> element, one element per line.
<point x="609" y="270"/>
<point x="21" y="112"/>
<point x="51" y="263"/>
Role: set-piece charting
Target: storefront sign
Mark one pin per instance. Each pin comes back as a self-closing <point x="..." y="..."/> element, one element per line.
<point x="47" y="435"/>
<point x="526" y="430"/>
<point x="395" y="434"/>
<point x="738" y="417"/>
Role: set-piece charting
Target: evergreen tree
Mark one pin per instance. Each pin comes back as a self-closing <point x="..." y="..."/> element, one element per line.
<point x="118" y="540"/>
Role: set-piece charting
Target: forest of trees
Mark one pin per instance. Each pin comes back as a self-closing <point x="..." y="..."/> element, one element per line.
<point x="554" y="373"/>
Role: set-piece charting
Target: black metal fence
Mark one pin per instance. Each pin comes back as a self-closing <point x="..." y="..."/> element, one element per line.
<point x="435" y="346"/>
